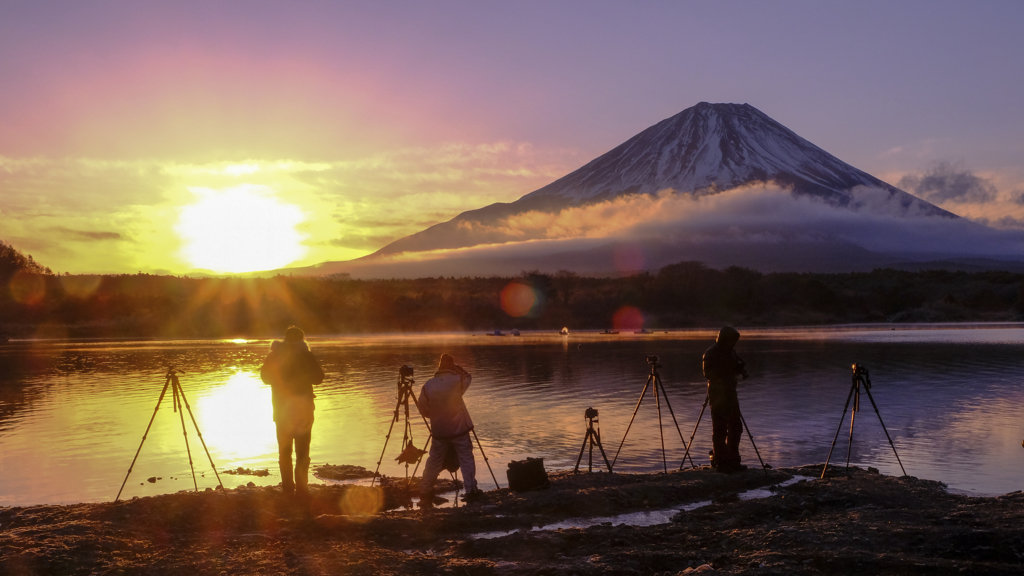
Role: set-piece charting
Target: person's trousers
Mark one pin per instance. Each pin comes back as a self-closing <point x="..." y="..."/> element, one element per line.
<point x="294" y="420"/>
<point x="726" y="423"/>
<point x="285" y="439"/>
<point x="463" y="447"/>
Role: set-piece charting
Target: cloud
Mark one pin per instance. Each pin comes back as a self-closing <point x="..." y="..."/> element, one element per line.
<point x="948" y="183"/>
<point x="86" y="235"/>
<point x="764" y="214"/>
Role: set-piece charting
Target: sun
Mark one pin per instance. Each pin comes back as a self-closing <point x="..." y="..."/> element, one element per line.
<point x="240" y="229"/>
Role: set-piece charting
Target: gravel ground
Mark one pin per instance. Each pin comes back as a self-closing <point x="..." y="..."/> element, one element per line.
<point x="853" y="522"/>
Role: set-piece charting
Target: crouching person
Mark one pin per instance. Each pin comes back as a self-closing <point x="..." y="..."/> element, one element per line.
<point x="291" y="370"/>
<point x="450" y="425"/>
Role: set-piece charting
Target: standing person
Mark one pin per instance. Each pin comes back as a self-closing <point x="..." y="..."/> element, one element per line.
<point x="450" y="424"/>
<point x="721" y="367"/>
<point x="291" y="370"/>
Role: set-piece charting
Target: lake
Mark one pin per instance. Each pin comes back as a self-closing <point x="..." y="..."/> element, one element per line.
<point x="72" y="414"/>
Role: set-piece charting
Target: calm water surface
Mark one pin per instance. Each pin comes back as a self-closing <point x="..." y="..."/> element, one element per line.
<point x="72" y="414"/>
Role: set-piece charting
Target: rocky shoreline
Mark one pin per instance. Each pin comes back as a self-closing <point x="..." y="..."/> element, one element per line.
<point x="852" y="522"/>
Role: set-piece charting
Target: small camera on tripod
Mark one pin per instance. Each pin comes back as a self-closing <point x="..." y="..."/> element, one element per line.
<point x="405" y="371"/>
<point x="652" y="359"/>
<point x="590" y="413"/>
<point x="861" y="373"/>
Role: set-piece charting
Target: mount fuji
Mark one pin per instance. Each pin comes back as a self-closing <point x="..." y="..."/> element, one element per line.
<point x="724" y="184"/>
<point x="702" y="150"/>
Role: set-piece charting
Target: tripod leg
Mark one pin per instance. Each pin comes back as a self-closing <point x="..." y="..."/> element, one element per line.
<point x="582" y="448"/>
<point x="692" y="436"/>
<point x="849" y="446"/>
<point x="153" y="417"/>
<point x="642" y="394"/>
<point x="676" y="422"/>
<point x="417" y="403"/>
<point x="425" y="448"/>
<point x="200" y="434"/>
<point x="751" y="436"/>
<point x="603" y="455"/>
<point x="386" y="439"/>
<point x="661" y="431"/>
<point x="181" y="413"/>
<point x="486" y="461"/>
<point x="590" y="455"/>
<point x="875" y="406"/>
<point x="841" y="418"/>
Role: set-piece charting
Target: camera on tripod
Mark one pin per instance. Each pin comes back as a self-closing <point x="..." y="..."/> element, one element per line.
<point x="861" y="373"/>
<point x="405" y="371"/>
<point x="590" y="413"/>
<point x="652" y="359"/>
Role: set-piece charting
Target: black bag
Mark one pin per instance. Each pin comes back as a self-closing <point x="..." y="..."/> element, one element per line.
<point x="451" y="457"/>
<point x="527" y="474"/>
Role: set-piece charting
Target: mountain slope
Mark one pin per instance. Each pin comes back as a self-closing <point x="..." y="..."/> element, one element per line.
<point x="702" y="150"/>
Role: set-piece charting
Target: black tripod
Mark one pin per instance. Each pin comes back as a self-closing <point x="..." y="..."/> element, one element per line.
<point x="593" y="437"/>
<point x="707" y="398"/>
<point x="410" y="453"/>
<point x="656" y="379"/>
<point x="860" y="379"/>
<point x="178" y="396"/>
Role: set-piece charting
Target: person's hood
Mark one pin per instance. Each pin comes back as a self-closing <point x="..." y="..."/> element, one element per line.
<point x="728" y="336"/>
<point x="281" y="346"/>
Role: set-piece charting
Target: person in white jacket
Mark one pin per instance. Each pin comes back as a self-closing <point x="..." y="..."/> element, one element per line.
<point x="450" y="425"/>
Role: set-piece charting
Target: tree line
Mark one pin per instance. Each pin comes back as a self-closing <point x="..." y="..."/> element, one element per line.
<point x="37" y="303"/>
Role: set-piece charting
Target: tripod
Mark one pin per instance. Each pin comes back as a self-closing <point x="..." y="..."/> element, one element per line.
<point x="861" y="378"/>
<point x="654" y="378"/>
<point x="593" y="437"/>
<point x="409" y="453"/>
<point x="707" y="398"/>
<point x="178" y="398"/>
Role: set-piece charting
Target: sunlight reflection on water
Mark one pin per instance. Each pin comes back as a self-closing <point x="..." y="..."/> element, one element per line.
<point x="72" y="414"/>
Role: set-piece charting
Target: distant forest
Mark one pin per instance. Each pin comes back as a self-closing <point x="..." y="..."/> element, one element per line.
<point x="37" y="303"/>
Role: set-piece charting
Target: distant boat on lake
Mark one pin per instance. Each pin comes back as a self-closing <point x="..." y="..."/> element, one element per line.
<point x="564" y="332"/>
<point x="496" y="333"/>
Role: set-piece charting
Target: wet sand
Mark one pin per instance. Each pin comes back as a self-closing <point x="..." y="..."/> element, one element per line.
<point x="855" y="522"/>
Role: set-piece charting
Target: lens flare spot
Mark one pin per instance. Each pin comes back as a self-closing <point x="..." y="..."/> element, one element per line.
<point x="628" y="318"/>
<point x="240" y="229"/>
<point x="518" y="299"/>
<point x="362" y="501"/>
<point x="28" y="288"/>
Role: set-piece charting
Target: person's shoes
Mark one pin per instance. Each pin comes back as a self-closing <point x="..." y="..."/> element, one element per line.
<point x="426" y="499"/>
<point x="473" y="495"/>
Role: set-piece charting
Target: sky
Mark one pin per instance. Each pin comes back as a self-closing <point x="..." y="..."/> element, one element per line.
<point x="235" y="136"/>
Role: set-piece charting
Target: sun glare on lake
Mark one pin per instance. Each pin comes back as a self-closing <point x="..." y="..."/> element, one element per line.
<point x="237" y="418"/>
<point x="240" y="229"/>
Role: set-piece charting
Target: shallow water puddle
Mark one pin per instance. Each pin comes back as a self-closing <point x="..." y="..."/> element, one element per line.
<point x="643" y="518"/>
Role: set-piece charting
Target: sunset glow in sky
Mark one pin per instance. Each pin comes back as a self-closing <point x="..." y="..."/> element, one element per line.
<point x="236" y="136"/>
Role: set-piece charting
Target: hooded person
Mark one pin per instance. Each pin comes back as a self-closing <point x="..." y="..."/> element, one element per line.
<point x="441" y="401"/>
<point x="721" y="367"/>
<point x="291" y="370"/>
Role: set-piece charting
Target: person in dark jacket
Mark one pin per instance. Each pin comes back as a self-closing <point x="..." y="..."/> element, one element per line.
<point x="721" y="367"/>
<point x="291" y="370"/>
<point x="450" y="425"/>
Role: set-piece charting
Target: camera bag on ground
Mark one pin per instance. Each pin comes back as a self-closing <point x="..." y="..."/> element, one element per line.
<point x="527" y="474"/>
